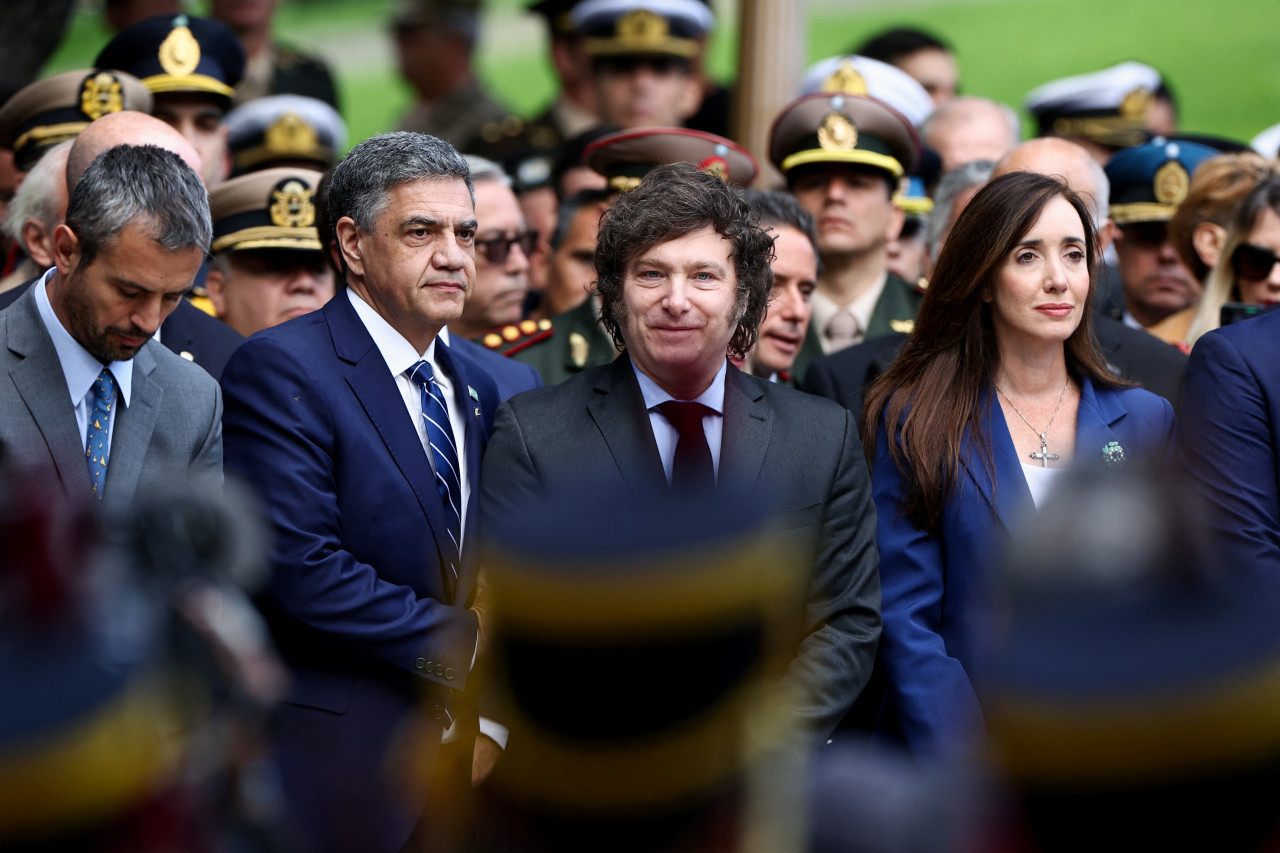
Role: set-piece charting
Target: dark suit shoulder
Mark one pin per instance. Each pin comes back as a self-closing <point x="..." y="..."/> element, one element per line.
<point x="798" y="410"/>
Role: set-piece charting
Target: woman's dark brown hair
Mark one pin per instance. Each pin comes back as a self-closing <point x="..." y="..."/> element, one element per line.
<point x="937" y="389"/>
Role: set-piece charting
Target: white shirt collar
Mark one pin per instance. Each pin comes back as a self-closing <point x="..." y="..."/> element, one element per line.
<point x="712" y="398"/>
<point x="396" y="350"/>
<point x="79" y="368"/>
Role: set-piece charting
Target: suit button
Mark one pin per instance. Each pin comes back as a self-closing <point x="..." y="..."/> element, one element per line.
<point x="436" y="712"/>
<point x="421" y="663"/>
<point x="439" y="669"/>
<point x="448" y="673"/>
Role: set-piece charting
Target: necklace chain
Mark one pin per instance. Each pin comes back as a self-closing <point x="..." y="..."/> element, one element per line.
<point x="1043" y="456"/>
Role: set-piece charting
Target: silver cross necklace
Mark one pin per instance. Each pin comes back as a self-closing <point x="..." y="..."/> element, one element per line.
<point x="1044" y="456"/>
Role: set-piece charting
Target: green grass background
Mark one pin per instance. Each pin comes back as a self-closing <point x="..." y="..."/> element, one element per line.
<point x="1222" y="59"/>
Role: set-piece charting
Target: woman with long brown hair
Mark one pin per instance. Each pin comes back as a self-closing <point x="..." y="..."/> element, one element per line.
<point x="999" y="387"/>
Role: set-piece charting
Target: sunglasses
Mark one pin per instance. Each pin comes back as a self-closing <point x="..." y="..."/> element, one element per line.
<point x="496" y="249"/>
<point x="1253" y="262"/>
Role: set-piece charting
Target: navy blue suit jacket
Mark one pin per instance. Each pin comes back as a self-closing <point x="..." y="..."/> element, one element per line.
<point x="357" y="600"/>
<point x="1228" y="431"/>
<point x="933" y="587"/>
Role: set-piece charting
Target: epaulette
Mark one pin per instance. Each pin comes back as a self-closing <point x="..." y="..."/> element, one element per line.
<point x="511" y="339"/>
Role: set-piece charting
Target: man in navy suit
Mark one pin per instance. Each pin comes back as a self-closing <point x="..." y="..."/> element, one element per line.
<point x="684" y="279"/>
<point x="371" y="495"/>
<point x="1228" y="429"/>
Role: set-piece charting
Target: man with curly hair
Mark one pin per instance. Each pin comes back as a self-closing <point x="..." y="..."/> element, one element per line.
<point x="684" y="280"/>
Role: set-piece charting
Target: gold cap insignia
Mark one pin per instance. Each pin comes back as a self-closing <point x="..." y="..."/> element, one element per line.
<point x="290" y="134"/>
<point x="846" y="79"/>
<point x="179" y="52"/>
<point x="101" y="94"/>
<point x="1171" y="183"/>
<point x="291" y="205"/>
<point x="578" y="348"/>
<point x="837" y="133"/>
<point x="1135" y="103"/>
<point x="622" y="183"/>
<point x="642" y="26"/>
<point x="717" y="166"/>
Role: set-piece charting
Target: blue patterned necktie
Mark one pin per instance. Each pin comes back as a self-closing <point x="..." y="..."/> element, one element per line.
<point x="435" y="414"/>
<point x="96" y="450"/>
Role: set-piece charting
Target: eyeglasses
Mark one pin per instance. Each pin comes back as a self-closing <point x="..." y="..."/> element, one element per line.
<point x="1253" y="262"/>
<point x="496" y="249"/>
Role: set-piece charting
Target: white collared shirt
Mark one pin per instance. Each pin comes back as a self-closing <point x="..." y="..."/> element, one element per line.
<point x="80" y="369"/>
<point x="665" y="433"/>
<point x="400" y="357"/>
<point x="824" y="309"/>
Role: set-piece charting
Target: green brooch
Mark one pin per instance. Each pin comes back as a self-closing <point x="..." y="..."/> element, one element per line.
<point x="1113" y="454"/>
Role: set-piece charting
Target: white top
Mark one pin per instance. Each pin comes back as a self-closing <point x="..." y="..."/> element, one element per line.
<point x="665" y="433"/>
<point x="1040" y="481"/>
<point x="79" y="368"/>
<point x="400" y="357"/>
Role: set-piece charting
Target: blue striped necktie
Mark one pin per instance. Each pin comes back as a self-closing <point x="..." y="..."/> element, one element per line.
<point x="96" y="448"/>
<point x="435" y="414"/>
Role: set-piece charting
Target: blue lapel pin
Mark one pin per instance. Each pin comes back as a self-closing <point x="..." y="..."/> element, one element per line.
<point x="474" y="395"/>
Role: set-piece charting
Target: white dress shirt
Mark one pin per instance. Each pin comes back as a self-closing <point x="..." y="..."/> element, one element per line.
<point x="665" y="433"/>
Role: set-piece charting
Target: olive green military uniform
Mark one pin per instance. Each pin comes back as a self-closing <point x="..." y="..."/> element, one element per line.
<point x="570" y="343"/>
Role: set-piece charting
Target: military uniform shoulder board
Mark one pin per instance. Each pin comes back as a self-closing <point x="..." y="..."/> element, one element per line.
<point x="509" y="340"/>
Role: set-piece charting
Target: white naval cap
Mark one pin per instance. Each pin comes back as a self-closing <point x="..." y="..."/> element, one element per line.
<point x="861" y="75"/>
<point x="285" y="129"/>
<point x="1107" y="106"/>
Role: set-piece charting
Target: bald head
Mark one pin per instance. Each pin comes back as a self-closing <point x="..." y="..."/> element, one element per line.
<point x="967" y="129"/>
<point x="1068" y="162"/>
<point x="127" y="127"/>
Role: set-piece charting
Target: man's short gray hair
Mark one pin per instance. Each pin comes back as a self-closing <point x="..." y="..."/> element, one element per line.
<point x="129" y="183"/>
<point x="484" y="169"/>
<point x="39" y="194"/>
<point x="953" y="183"/>
<point x="361" y="183"/>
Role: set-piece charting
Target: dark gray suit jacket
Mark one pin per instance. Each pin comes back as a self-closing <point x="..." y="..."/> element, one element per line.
<point x="170" y="432"/>
<point x="799" y="453"/>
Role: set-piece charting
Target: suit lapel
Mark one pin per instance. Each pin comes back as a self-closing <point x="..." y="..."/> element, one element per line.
<point x="748" y="427"/>
<point x="619" y="413"/>
<point x="1011" y="498"/>
<point x="380" y="398"/>
<point x="131" y="436"/>
<point x="1094" y="421"/>
<point x="38" y="376"/>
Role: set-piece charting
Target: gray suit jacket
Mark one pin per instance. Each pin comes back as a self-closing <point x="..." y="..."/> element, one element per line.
<point x="170" y="432"/>
<point x="798" y="452"/>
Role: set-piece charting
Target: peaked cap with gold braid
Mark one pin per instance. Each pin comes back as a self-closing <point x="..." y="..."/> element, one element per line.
<point x="179" y="53"/>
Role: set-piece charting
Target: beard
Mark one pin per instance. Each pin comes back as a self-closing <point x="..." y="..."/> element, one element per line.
<point x="82" y="324"/>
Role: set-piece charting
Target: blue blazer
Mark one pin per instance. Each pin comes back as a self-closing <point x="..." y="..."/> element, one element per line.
<point x="932" y="588"/>
<point x="1228" y="433"/>
<point x="357" y="599"/>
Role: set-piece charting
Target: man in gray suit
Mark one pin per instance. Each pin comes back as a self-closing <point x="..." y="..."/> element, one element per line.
<point x="684" y="278"/>
<point x="85" y="391"/>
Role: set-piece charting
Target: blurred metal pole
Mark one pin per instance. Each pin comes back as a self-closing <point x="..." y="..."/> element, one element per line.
<point x="771" y="50"/>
